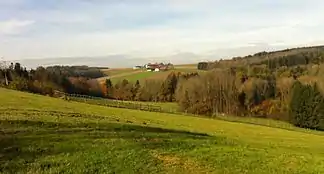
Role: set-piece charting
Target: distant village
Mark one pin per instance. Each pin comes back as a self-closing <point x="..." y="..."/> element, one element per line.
<point x="155" y="67"/>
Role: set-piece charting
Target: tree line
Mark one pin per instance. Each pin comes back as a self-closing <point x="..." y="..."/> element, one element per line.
<point x="303" y="58"/>
<point x="46" y="80"/>
<point x="275" y="59"/>
<point x="159" y="90"/>
<point x="78" y="71"/>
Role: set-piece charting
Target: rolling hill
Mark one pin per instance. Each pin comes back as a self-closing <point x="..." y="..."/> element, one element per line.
<point x="46" y="135"/>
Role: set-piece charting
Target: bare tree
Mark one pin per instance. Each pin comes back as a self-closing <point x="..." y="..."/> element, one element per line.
<point x="3" y="65"/>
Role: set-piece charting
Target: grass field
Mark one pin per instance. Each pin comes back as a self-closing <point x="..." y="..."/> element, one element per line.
<point x="186" y="66"/>
<point x="46" y="135"/>
<point x="165" y="107"/>
<point x="131" y="75"/>
<point x="116" y="71"/>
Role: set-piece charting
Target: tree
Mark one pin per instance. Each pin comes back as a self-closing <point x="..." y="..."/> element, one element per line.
<point x="19" y="83"/>
<point x="109" y="88"/>
<point x="18" y="69"/>
<point x="123" y="90"/>
<point x="316" y="120"/>
<point x="202" y="66"/>
<point x="136" y="89"/>
<point x="3" y="66"/>
<point x="241" y="100"/>
<point x="244" y="78"/>
<point x="150" y="90"/>
<point x="211" y="93"/>
<point x="168" y="88"/>
<point x="306" y="108"/>
<point x="94" y="88"/>
<point x="269" y="87"/>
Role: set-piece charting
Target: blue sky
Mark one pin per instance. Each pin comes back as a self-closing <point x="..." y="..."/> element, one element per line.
<point x="61" y="28"/>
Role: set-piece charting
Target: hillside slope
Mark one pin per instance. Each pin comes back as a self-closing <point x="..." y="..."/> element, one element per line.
<point x="117" y="75"/>
<point x="47" y="135"/>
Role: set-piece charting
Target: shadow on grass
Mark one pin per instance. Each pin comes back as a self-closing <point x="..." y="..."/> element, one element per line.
<point x="24" y="141"/>
<point x="53" y="127"/>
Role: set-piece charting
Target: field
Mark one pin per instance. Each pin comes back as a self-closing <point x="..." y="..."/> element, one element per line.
<point x="116" y="71"/>
<point x="186" y="66"/>
<point x="46" y="135"/>
<point x="131" y="75"/>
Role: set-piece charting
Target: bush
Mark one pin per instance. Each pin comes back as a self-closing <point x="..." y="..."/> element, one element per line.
<point x="19" y="83"/>
<point x="202" y="66"/>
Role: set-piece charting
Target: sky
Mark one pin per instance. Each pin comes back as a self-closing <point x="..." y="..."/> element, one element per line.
<point x="68" y="28"/>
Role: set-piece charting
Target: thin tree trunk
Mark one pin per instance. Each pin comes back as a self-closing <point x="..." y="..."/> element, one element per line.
<point x="6" y="79"/>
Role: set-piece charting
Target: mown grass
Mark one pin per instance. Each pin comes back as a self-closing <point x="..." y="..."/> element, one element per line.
<point x="117" y="75"/>
<point x="134" y="77"/>
<point x="47" y="135"/>
<point x="167" y="107"/>
<point x="187" y="66"/>
<point x="174" y="108"/>
<point x="116" y="71"/>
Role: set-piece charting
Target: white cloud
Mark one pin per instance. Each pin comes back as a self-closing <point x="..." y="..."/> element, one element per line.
<point x="14" y="26"/>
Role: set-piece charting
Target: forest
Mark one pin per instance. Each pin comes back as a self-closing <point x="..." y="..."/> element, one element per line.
<point x="284" y="85"/>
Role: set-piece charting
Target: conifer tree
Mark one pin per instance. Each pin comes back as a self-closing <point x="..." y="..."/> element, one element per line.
<point x="295" y="106"/>
<point x="136" y="89"/>
<point x="168" y="88"/>
<point x="306" y="106"/>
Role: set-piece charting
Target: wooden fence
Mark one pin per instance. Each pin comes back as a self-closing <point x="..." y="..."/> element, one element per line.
<point x="109" y="102"/>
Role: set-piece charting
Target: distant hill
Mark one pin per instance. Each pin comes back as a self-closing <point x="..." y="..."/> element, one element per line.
<point x="264" y="57"/>
<point x="127" y="61"/>
<point x="111" y="61"/>
<point x="286" y="52"/>
<point x="104" y="61"/>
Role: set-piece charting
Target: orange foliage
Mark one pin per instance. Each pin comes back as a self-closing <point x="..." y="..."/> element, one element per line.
<point x="103" y="89"/>
<point x="264" y="109"/>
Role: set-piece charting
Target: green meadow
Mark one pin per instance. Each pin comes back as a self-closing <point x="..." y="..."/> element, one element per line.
<point x="40" y="134"/>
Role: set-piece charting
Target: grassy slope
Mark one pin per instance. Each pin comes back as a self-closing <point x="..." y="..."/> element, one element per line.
<point x="171" y="107"/>
<point x="135" y="76"/>
<point x="46" y="135"/>
<point x="116" y="71"/>
<point x="131" y="75"/>
<point x="141" y="76"/>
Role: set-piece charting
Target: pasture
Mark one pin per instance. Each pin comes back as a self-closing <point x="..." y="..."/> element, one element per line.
<point x="117" y="75"/>
<point x="47" y="135"/>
